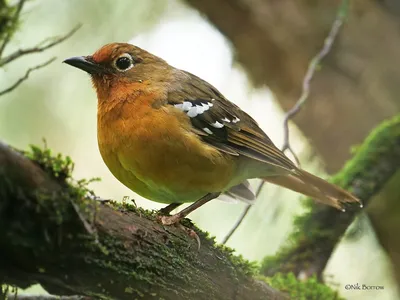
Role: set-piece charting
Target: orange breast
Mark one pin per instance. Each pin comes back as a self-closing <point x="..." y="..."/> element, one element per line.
<point x="153" y="152"/>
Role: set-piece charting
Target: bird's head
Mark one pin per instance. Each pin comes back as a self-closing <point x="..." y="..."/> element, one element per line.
<point x="120" y="65"/>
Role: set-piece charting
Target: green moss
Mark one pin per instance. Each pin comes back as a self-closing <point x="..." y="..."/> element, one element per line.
<point x="381" y="147"/>
<point x="284" y="260"/>
<point x="52" y="210"/>
<point x="139" y="211"/>
<point x="240" y="264"/>
<point x="175" y="250"/>
<point x="385" y="136"/>
<point x="61" y="168"/>
<point x="56" y="165"/>
<point x="310" y="289"/>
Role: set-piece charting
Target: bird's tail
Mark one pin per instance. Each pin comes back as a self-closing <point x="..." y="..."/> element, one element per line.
<point x="314" y="187"/>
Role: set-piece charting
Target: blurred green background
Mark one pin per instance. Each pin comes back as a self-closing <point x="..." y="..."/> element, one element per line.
<point x="57" y="103"/>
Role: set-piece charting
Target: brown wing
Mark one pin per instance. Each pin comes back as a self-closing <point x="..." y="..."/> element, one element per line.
<point x="224" y="125"/>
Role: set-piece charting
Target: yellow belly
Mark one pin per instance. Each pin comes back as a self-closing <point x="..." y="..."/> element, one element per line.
<point x="163" y="162"/>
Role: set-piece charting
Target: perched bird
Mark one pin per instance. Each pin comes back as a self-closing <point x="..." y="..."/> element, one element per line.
<point x="173" y="138"/>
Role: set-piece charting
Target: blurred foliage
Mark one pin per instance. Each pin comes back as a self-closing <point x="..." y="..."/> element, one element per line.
<point x="8" y="24"/>
<point x="241" y="264"/>
<point x="76" y="192"/>
<point x="314" y="238"/>
<point x="57" y="165"/>
<point x="310" y="289"/>
<point x="60" y="168"/>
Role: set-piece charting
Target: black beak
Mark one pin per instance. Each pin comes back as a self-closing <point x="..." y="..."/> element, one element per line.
<point x="85" y="63"/>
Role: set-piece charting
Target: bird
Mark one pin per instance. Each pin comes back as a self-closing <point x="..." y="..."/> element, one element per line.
<point x="173" y="138"/>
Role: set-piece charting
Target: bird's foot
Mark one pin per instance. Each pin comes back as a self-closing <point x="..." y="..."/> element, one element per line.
<point x="165" y="211"/>
<point x="175" y="220"/>
<point x="169" y="220"/>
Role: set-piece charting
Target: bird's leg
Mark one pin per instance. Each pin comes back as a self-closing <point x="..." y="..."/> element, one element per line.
<point x="167" y="210"/>
<point x="169" y="220"/>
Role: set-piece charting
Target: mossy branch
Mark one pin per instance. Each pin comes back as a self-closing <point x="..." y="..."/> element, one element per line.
<point x="318" y="231"/>
<point x="130" y="256"/>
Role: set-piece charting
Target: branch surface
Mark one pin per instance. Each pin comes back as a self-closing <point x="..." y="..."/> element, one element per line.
<point x="317" y="233"/>
<point x="43" y="240"/>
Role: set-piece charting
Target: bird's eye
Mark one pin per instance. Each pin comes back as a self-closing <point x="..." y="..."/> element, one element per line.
<point x="124" y="62"/>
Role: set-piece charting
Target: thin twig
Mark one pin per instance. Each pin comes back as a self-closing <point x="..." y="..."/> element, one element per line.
<point x="42" y="46"/>
<point x="242" y="216"/>
<point x="337" y="24"/>
<point x="237" y="224"/>
<point x="14" y="20"/>
<point x="25" y="77"/>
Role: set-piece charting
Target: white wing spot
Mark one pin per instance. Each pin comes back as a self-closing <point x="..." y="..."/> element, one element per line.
<point x="226" y="120"/>
<point x="200" y="109"/>
<point x="206" y="106"/>
<point x="207" y="130"/>
<point x="193" y="112"/>
<point x="235" y="120"/>
<point x="186" y="106"/>
<point x="217" y="124"/>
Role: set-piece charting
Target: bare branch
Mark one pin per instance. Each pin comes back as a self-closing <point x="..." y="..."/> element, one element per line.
<point x="340" y="17"/>
<point x="242" y="216"/>
<point x="25" y="77"/>
<point x="19" y="6"/>
<point x="42" y="46"/>
<point x="237" y="224"/>
<point x="337" y="24"/>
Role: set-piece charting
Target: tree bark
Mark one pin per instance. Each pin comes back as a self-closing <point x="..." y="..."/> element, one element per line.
<point x="44" y="297"/>
<point x="374" y="170"/>
<point x="385" y="222"/>
<point x="43" y="240"/>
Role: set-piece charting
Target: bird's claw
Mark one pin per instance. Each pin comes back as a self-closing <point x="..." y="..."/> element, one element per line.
<point x="194" y="235"/>
<point x="169" y="220"/>
<point x="175" y="220"/>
